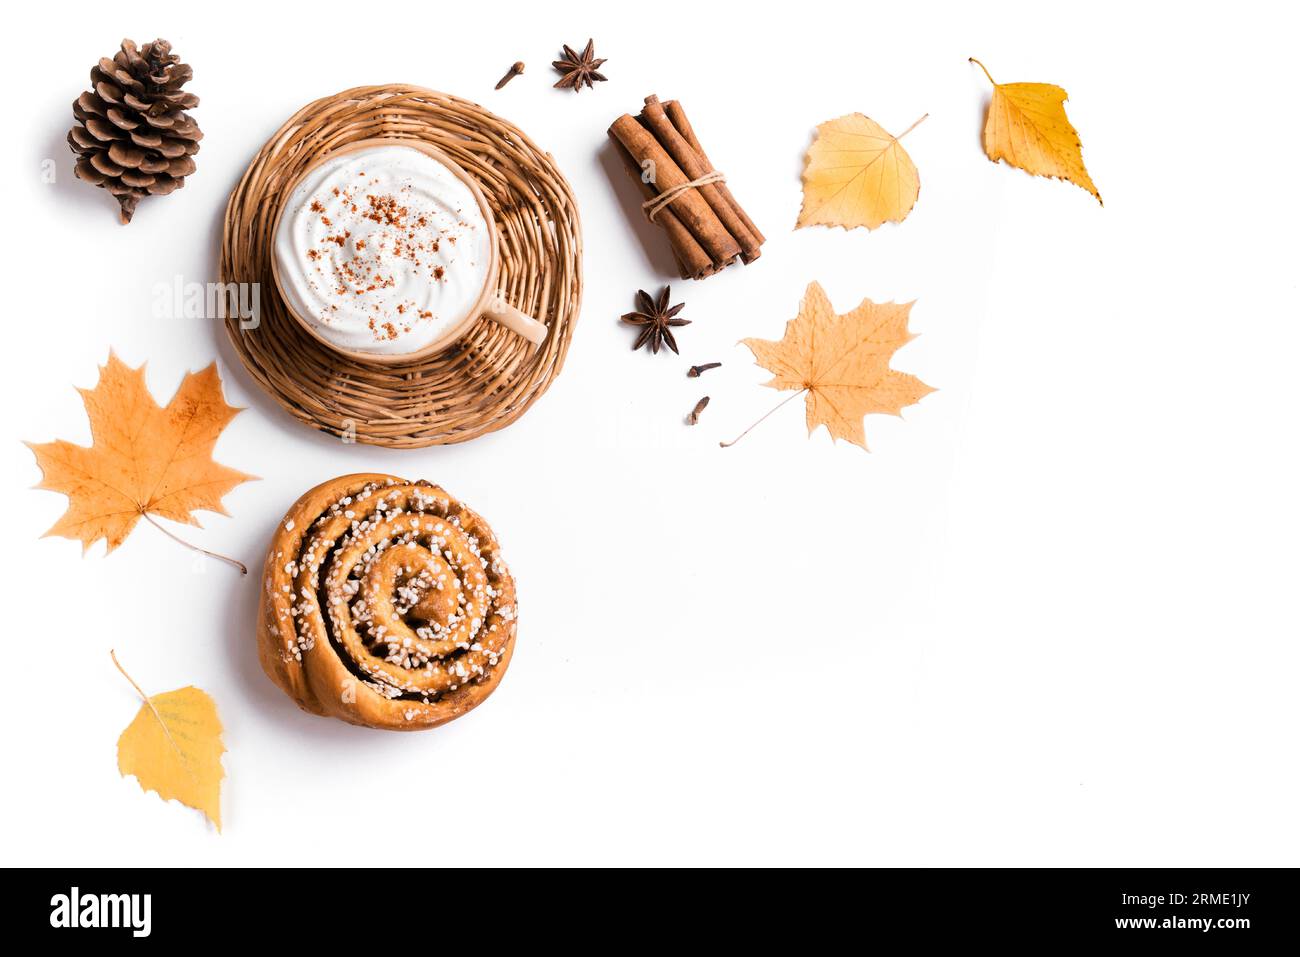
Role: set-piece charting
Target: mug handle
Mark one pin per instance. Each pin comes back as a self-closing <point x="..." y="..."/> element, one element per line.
<point x="498" y="310"/>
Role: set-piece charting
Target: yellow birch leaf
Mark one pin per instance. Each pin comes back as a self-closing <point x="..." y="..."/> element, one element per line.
<point x="1027" y="127"/>
<point x="840" y="364"/>
<point x="174" y="747"/>
<point x="857" y="174"/>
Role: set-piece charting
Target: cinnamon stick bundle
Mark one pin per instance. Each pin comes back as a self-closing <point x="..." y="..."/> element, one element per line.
<point x="685" y="194"/>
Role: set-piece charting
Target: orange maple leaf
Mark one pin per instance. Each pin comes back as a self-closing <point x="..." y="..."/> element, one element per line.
<point x="143" y="459"/>
<point x="840" y="364"/>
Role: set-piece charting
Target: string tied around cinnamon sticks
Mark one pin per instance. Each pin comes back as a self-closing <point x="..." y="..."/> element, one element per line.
<point x="684" y="194"/>
<point x="653" y="206"/>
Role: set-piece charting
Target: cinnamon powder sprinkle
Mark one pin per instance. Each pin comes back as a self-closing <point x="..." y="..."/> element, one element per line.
<point x="360" y="274"/>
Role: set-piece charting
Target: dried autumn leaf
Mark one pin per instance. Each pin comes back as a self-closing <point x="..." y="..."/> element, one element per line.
<point x="840" y="364"/>
<point x="1027" y="127"/>
<point x="143" y="459"/>
<point x="857" y="174"/>
<point x="174" y="747"/>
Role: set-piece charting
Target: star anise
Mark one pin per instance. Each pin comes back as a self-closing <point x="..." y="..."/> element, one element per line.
<point x="578" y="68"/>
<point x="656" y="320"/>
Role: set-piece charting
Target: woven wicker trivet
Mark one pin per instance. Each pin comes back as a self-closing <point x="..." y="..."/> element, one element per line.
<point x="491" y="376"/>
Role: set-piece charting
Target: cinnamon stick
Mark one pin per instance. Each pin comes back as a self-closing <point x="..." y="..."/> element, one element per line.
<point x="695" y="166"/>
<point x="690" y="207"/>
<point x="705" y="224"/>
<point x="692" y="261"/>
<point x="678" y="117"/>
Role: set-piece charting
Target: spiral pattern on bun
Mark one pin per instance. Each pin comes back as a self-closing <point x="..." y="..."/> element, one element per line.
<point x="385" y="603"/>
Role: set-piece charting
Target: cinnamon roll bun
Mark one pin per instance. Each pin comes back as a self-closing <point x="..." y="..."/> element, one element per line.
<point x="385" y="603"/>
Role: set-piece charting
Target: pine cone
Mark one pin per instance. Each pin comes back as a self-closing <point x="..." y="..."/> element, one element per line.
<point x="133" y="136"/>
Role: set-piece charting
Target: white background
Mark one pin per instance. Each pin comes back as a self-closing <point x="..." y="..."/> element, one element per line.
<point x="1049" y="619"/>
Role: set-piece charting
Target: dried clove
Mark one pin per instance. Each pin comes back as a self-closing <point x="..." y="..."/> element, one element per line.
<point x="515" y="69"/>
<point x="694" y="371"/>
<point x="694" y="417"/>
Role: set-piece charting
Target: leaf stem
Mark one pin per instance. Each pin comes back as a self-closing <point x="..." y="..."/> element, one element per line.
<point x="727" y="445"/>
<point x="113" y="654"/>
<point x="971" y="59"/>
<point x="243" y="569"/>
<point x="912" y="127"/>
